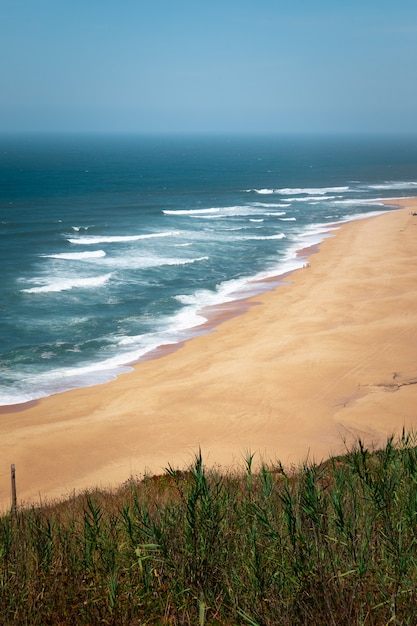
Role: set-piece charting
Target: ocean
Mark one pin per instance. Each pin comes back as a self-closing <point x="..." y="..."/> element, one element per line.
<point x="114" y="245"/>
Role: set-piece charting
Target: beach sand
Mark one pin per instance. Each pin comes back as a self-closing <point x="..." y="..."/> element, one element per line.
<point x="304" y="371"/>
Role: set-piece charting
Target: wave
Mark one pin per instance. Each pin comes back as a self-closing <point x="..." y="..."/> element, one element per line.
<point x="262" y="192"/>
<point x="378" y="201"/>
<point x="226" y="229"/>
<point x="95" y="239"/>
<point x="313" y="198"/>
<point x="315" y="234"/>
<point x="296" y="191"/>
<point x="272" y="205"/>
<point x="147" y="262"/>
<point x="227" y="291"/>
<point x="70" y="283"/>
<point x="190" y="211"/>
<point x="263" y="237"/>
<point x="75" y="256"/>
<point x="217" y="212"/>
<point x="184" y="261"/>
<point x="311" y="191"/>
<point x="397" y="185"/>
<point x="288" y="219"/>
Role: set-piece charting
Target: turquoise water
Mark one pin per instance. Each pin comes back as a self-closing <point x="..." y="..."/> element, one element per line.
<point x="112" y="245"/>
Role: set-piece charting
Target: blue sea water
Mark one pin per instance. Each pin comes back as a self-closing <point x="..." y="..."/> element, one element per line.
<point x="113" y="245"/>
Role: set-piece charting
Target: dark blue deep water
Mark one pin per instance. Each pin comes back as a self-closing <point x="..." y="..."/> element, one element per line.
<point x="111" y="245"/>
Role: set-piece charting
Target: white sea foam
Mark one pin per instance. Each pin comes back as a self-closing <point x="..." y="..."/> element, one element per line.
<point x="244" y="287"/>
<point x="296" y="191"/>
<point x="77" y="256"/>
<point x="10" y="399"/>
<point x="70" y="283"/>
<point x="186" y="319"/>
<point x="271" y="205"/>
<point x="146" y="262"/>
<point x="95" y="239"/>
<point x="395" y="185"/>
<point x="313" y="235"/>
<point x="263" y="237"/>
<point x="47" y="354"/>
<point x="185" y="261"/>
<point x="219" y="212"/>
<point x="378" y="201"/>
<point x="312" y="198"/>
<point x="191" y="212"/>
<point x="288" y="219"/>
<point x="311" y="191"/>
<point x="227" y="291"/>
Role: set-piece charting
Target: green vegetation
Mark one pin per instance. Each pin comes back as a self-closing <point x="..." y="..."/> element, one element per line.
<point x="327" y="544"/>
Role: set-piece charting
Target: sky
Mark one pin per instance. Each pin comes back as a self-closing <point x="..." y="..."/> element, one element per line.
<point x="218" y="66"/>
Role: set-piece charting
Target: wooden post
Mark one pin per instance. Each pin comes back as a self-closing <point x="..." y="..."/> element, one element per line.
<point x="14" y="497"/>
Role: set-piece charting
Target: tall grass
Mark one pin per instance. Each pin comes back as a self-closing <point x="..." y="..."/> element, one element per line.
<point x="333" y="543"/>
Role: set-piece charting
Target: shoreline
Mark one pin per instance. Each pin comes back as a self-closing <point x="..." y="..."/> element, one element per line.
<point x="215" y="314"/>
<point x="287" y="374"/>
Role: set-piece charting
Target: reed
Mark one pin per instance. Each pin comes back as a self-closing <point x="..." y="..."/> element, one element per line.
<point x="333" y="543"/>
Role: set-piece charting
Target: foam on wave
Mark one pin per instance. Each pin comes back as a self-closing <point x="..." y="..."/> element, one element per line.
<point x="190" y="211"/>
<point x="395" y="186"/>
<point x="218" y="212"/>
<point x="147" y="262"/>
<point x="311" y="191"/>
<point x="70" y="283"/>
<point x="77" y="256"/>
<point x="296" y="191"/>
<point x="89" y="240"/>
<point x="311" y="198"/>
<point x="263" y="237"/>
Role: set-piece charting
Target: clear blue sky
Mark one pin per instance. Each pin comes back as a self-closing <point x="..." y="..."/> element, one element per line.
<point x="212" y="66"/>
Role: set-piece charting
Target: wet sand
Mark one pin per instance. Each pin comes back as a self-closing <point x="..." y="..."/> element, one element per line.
<point x="304" y="370"/>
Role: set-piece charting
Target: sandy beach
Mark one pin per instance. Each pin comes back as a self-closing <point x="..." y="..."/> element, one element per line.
<point x="304" y="370"/>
